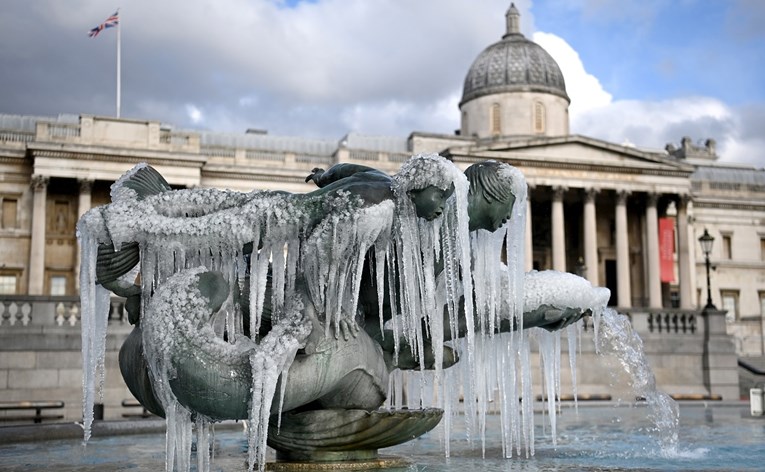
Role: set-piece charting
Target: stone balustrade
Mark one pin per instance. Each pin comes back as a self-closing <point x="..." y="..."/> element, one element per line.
<point x="21" y="311"/>
<point x="15" y="136"/>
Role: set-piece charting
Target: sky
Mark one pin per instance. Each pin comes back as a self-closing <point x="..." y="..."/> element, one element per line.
<point x="640" y="72"/>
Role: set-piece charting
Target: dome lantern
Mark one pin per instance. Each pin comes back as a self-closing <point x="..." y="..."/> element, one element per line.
<point x="513" y="21"/>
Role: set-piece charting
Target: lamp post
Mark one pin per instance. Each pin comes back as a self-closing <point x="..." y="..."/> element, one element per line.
<point x="706" y="240"/>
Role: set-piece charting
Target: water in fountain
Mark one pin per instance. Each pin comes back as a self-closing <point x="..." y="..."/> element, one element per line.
<point x="617" y="338"/>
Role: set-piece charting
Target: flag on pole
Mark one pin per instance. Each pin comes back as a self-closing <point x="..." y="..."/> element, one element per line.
<point x="110" y="22"/>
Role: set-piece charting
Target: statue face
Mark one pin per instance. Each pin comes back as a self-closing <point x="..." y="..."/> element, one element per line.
<point x="429" y="201"/>
<point x="488" y="215"/>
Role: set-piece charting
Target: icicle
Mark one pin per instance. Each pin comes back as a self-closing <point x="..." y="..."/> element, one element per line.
<point x="89" y="250"/>
<point x="204" y="454"/>
<point x="379" y="271"/>
<point x="264" y="377"/>
<point x="571" y="336"/>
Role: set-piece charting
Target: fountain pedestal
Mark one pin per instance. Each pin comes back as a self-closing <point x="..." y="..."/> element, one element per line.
<point x="325" y="439"/>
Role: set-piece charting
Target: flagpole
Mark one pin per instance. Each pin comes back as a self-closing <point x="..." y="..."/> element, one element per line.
<point x="119" y="61"/>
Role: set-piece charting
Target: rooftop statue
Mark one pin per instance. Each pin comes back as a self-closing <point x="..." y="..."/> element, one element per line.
<point x="301" y="305"/>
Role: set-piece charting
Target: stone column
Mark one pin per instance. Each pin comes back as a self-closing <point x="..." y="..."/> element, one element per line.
<point x="37" y="246"/>
<point x="683" y="254"/>
<point x="652" y="251"/>
<point x="529" y="235"/>
<point x="83" y="205"/>
<point x="623" y="290"/>
<point x="590" y="236"/>
<point x="558" y="231"/>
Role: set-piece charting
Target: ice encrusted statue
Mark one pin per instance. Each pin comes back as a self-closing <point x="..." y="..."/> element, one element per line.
<point x="295" y="309"/>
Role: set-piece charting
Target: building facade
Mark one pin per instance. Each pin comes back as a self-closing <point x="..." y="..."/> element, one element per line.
<point x="623" y="217"/>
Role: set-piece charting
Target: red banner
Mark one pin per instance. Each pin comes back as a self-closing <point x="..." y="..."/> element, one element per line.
<point x="667" y="249"/>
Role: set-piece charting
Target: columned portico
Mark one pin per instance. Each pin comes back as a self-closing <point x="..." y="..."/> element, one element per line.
<point x="37" y="245"/>
<point x="683" y="254"/>
<point x="623" y="288"/>
<point x="558" y="231"/>
<point x="590" y="236"/>
<point x="652" y="252"/>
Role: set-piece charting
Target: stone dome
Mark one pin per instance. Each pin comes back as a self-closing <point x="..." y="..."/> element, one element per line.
<point x="514" y="64"/>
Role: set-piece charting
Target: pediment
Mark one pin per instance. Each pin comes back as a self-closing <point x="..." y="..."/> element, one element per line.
<point x="573" y="152"/>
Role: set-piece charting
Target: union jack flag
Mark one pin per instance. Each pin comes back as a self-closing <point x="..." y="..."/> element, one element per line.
<point x="110" y="22"/>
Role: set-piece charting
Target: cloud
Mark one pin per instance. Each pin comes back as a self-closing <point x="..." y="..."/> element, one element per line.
<point x="393" y="116"/>
<point x="194" y="113"/>
<point x="583" y="88"/>
<point x="739" y="132"/>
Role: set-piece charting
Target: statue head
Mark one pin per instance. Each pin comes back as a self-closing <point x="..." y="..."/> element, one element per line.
<point x="494" y="188"/>
<point x="427" y="181"/>
<point x="429" y="201"/>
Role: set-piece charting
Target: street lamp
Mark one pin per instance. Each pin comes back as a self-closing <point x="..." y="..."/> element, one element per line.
<point x="706" y="240"/>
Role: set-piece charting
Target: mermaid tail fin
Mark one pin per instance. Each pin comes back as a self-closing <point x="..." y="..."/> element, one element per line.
<point x="143" y="180"/>
<point x="111" y="264"/>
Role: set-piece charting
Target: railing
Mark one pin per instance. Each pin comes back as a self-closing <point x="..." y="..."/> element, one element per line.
<point x="13" y="313"/>
<point x="313" y="159"/>
<point x="658" y="321"/>
<point x="376" y="156"/>
<point x="362" y="155"/>
<point x="677" y="323"/>
<point x="18" y="311"/>
<point x="398" y="157"/>
<point x="63" y="131"/>
<point x="177" y="139"/>
<point x="13" y="136"/>
<point x="219" y="152"/>
<point x="262" y="155"/>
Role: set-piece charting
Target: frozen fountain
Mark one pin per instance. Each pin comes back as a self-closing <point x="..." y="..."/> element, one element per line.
<point x="336" y="322"/>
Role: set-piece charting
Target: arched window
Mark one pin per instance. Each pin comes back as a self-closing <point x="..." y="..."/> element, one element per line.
<point x="539" y="117"/>
<point x="496" y="120"/>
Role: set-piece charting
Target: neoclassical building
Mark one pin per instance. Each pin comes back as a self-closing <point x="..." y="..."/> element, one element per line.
<point x="621" y="216"/>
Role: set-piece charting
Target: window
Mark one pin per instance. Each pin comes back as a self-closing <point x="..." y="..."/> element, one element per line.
<point x="10" y="206"/>
<point x="726" y="246"/>
<point x="8" y="284"/>
<point x="58" y="285"/>
<point x="762" y="249"/>
<point x="730" y="304"/>
<point x="762" y="303"/>
<point x="496" y="121"/>
<point x="539" y="117"/>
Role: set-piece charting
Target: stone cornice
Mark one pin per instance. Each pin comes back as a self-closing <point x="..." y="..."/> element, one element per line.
<point x="522" y="163"/>
<point x="12" y="156"/>
<point x="728" y="204"/>
<point x="120" y="155"/>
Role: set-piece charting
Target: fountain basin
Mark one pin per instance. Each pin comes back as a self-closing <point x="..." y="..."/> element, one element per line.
<point x="609" y="436"/>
